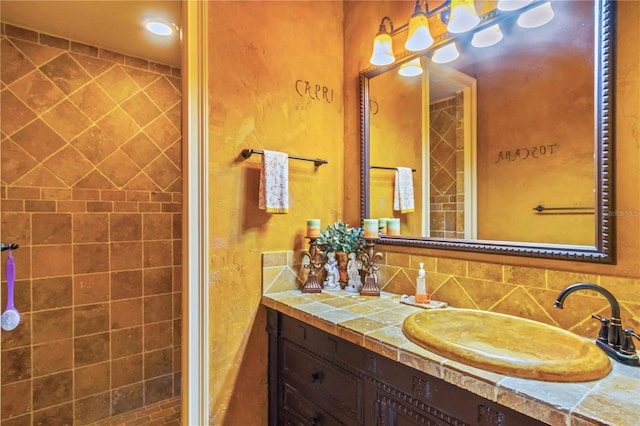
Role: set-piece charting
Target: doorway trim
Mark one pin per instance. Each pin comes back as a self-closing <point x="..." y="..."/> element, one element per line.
<point x="195" y="218"/>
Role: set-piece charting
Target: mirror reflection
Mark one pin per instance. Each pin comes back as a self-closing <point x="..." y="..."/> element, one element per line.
<point x="433" y="114"/>
<point x="500" y="140"/>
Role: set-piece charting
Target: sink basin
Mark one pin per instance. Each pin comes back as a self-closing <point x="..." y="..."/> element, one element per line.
<point x="507" y="345"/>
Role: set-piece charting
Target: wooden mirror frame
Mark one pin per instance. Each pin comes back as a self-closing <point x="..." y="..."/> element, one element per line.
<point x="604" y="90"/>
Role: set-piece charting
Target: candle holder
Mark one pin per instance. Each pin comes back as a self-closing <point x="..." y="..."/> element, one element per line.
<point x="370" y="287"/>
<point x="312" y="285"/>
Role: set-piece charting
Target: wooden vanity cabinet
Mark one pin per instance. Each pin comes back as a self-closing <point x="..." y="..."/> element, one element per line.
<point x="316" y="378"/>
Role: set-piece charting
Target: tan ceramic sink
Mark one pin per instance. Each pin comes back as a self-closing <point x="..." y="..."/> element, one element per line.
<point x="507" y="345"/>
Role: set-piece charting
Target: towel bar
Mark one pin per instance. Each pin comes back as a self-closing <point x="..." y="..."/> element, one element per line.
<point x="387" y="168"/>
<point x="9" y="246"/>
<point x="246" y="153"/>
<point x="541" y="208"/>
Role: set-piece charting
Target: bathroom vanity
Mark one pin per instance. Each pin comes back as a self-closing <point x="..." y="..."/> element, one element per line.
<point x="320" y="379"/>
<point x="341" y="359"/>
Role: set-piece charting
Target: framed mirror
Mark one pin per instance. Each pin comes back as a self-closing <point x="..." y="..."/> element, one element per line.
<point x="509" y="148"/>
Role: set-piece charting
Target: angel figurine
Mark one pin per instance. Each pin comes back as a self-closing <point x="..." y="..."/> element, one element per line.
<point x="332" y="283"/>
<point x="353" y="272"/>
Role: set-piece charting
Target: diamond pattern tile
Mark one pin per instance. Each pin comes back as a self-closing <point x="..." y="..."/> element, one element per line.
<point x="14" y="64"/>
<point x="78" y="121"/>
<point x="118" y="125"/>
<point x="37" y="92"/>
<point x="39" y="140"/>
<point x="442" y="152"/>
<point x="162" y="171"/>
<point x="93" y="101"/>
<point x="141" y="149"/>
<point x="119" y="168"/>
<point x="69" y="165"/>
<point x="442" y="123"/>
<point x="163" y="93"/>
<point x="141" y="77"/>
<point x="58" y="118"/>
<point x="117" y="83"/>
<point x="93" y="66"/>
<point x="39" y="54"/>
<point x="162" y="132"/>
<point x="65" y="73"/>
<point x="94" y="144"/>
<point x="14" y="162"/>
<point x="141" y="109"/>
<point x="40" y="176"/>
<point x="14" y="112"/>
<point x="174" y="153"/>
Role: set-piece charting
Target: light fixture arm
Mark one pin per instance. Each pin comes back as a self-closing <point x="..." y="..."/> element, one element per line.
<point x="383" y="27"/>
<point x="444" y="8"/>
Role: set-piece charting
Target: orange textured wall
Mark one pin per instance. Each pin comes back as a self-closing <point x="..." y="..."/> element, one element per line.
<point x="257" y="53"/>
<point x="361" y="23"/>
<point x="397" y="105"/>
<point x="550" y="82"/>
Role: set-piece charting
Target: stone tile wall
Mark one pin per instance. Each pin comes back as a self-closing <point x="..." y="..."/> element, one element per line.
<point x="525" y="292"/>
<point x="91" y="191"/>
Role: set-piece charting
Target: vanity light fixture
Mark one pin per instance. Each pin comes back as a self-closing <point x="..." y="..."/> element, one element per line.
<point x="463" y="16"/>
<point x="160" y="27"/>
<point x="536" y="17"/>
<point x="487" y="37"/>
<point x="410" y="68"/>
<point x="419" y="37"/>
<point x="509" y="5"/>
<point x="383" y="45"/>
<point x="446" y="54"/>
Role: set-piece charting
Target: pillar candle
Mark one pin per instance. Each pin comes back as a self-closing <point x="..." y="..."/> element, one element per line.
<point x="382" y="225"/>
<point x="371" y="228"/>
<point x="313" y="227"/>
<point x="393" y="226"/>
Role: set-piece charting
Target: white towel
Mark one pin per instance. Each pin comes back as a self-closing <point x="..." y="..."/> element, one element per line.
<point x="403" y="191"/>
<point x="274" y="182"/>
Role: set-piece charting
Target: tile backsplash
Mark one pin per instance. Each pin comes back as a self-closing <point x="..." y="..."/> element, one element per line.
<point x="521" y="291"/>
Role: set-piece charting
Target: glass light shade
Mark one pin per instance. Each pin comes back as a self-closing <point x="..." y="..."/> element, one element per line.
<point x="536" y="17"/>
<point x="509" y="5"/>
<point x="419" y="37"/>
<point x="487" y="37"/>
<point x="382" y="50"/>
<point x="446" y="54"/>
<point x="159" y="28"/>
<point x="411" y="68"/>
<point x="463" y="16"/>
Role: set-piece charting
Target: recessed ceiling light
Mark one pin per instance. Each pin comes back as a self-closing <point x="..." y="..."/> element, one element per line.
<point x="160" y="28"/>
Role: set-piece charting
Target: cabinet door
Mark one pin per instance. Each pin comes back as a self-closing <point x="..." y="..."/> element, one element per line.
<point x="300" y="411"/>
<point x="329" y="386"/>
<point x="395" y="409"/>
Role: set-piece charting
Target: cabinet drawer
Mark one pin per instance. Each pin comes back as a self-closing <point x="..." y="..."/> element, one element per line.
<point x="298" y="410"/>
<point x="322" y="343"/>
<point x="327" y="385"/>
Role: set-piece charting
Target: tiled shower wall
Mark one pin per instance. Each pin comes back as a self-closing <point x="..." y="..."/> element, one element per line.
<point x="447" y="168"/>
<point x="91" y="191"/>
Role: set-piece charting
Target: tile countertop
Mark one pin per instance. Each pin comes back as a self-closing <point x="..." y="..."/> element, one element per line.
<point x="376" y="324"/>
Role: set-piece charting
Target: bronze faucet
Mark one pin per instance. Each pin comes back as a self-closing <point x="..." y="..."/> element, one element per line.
<point x="618" y="344"/>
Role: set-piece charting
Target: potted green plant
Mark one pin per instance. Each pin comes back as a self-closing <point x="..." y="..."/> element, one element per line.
<point x="342" y="239"/>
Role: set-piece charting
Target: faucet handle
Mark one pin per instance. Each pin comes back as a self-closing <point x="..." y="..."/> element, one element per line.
<point x="603" y="334"/>
<point x="627" y="346"/>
